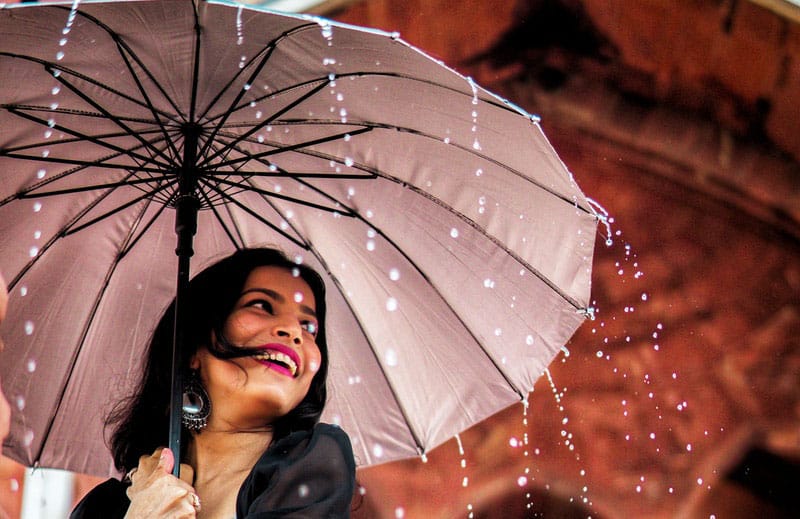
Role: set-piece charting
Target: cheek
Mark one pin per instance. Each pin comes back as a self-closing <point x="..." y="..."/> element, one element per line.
<point x="314" y="360"/>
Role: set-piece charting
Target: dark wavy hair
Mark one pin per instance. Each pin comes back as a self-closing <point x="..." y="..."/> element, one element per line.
<point x="141" y="421"/>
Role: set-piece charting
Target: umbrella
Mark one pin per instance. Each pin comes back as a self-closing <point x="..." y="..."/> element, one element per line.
<point x="454" y="243"/>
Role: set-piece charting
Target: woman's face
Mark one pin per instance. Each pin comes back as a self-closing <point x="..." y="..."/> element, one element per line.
<point x="276" y="314"/>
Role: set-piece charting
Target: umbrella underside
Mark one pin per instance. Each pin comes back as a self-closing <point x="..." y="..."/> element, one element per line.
<point x="455" y="246"/>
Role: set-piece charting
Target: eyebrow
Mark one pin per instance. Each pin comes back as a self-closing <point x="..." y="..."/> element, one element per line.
<point x="280" y="299"/>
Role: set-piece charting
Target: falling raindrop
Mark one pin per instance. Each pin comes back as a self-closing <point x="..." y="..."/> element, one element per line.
<point x="377" y="450"/>
<point x="394" y="274"/>
<point x="298" y="297"/>
<point x="31" y="365"/>
<point x="391" y="357"/>
<point x="28" y="327"/>
<point x="20" y="402"/>
<point x="302" y="490"/>
<point x="27" y="438"/>
<point x="399" y="512"/>
<point x="391" y="304"/>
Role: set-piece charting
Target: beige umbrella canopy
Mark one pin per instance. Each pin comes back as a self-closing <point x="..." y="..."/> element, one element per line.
<point x="455" y="246"/>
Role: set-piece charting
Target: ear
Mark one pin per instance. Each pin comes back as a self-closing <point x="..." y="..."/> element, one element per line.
<point x="194" y="362"/>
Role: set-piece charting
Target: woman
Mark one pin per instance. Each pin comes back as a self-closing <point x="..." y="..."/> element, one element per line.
<point x="256" y="365"/>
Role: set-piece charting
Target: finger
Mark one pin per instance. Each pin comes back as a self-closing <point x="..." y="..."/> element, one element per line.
<point x="187" y="473"/>
<point x="166" y="460"/>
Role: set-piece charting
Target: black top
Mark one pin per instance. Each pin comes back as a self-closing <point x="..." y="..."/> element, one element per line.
<point x="308" y="474"/>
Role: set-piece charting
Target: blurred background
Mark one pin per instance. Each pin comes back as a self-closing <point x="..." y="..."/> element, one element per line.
<point x="682" y="398"/>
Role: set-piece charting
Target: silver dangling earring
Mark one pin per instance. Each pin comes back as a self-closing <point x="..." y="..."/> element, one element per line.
<point x="196" y="404"/>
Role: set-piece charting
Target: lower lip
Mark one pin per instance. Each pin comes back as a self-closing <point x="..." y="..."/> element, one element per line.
<point x="276" y="368"/>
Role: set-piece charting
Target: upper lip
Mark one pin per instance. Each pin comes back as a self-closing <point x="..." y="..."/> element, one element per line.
<point x="286" y="350"/>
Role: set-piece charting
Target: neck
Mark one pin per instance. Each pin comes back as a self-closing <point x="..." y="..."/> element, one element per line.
<point x="221" y="454"/>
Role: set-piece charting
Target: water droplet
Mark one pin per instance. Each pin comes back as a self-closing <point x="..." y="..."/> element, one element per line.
<point x="377" y="450"/>
<point x="298" y="297"/>
<point x="20" y="402"/>
<point x="399" y="512"/>
<point x="370" y="245"/>
<point x="391" y="357"/>
<point x="394" y="274"/>
<point x="302" y="490"/>
<point x="59" y="55"/>
<point x="391" y="304"/>
<point x="478" y="172"/>
<point x="488" y="283"/>
<point x="348" y="162"/>
<point x="37" y="206"/>
<point x="522" y="481"/>
<point x="454" y="233"/>
<point x="27" y="439"/>
<point x="529" y="340"/>
<point x="28" y="327"/>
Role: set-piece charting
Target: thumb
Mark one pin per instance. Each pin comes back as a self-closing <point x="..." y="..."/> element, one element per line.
<point x="166" y="461"/>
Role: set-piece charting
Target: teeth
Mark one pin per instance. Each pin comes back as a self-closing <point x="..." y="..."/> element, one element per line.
<point x="279" y="357"/>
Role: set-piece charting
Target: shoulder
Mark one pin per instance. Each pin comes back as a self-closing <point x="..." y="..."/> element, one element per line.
<point x="324" y="443"/>
<point x="305" y="474"/>
<point x="106" y="500"/>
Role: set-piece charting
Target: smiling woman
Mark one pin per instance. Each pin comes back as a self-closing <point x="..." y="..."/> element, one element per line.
<point x="257" y="364"/>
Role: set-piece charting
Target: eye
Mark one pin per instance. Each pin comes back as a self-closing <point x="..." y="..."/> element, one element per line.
<point x="262" y="304"/>
<point x="310" y="327"/>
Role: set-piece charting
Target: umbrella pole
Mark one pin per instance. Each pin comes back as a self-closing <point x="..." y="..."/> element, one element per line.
<point x="186" y="208"/>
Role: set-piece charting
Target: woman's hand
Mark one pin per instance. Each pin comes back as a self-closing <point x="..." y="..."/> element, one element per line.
<point x="156" y="493"/>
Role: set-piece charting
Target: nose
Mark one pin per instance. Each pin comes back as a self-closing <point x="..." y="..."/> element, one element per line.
<point x="292" y="331"/>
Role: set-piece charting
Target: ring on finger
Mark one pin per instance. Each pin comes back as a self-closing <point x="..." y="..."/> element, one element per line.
<point x="129" y="475"/>
<point x="195" y="499"/>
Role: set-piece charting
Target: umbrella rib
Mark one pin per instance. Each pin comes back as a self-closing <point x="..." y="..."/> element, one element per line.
<point x="82" y="163"/>
<point x="310" y="247"/>
<point x="162" y="207"/>
<point x="222" y="222"/>
<point x="121" y="44"/>
<point x="63" y="231"/>
<point x="96" y="140"/>
<point x="256" y="128"/>
<point x="87" y="325"/>
<point x="148" y="101"/>
<point x="265" y="54"/>
<point x="57" y="70"/>
<point x="147" y="194"/>
<point x="279" y="196"/>
<point x="113" y="118"/>
<point x="495" y="102"/>
<point x="249" y="211"/>
<point x="294" y="147"/>
<point x="122" y="183"/>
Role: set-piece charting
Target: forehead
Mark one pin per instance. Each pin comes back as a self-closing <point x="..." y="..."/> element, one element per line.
<point x="282" y="281"/>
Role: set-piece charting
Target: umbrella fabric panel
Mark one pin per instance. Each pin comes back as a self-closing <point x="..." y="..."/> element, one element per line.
<point x="553" y="235"/>
<point x="415" y="339"/>
<point x="459" y="265"/>
<point x="112" y="355"/>
<point x="46" y="346"/>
